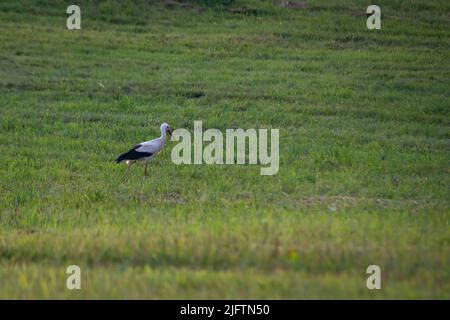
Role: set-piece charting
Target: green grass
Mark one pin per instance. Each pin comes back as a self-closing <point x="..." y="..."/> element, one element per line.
<point x="364" y="150"/>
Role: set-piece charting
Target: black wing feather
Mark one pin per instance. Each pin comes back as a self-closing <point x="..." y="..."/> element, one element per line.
<point x="132" y="154"/>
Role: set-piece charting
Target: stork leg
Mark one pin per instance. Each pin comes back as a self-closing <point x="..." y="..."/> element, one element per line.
<point x="130" y="163"/>
<point x="145" y="169"/>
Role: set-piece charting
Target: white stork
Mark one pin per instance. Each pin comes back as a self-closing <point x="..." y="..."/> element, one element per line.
<point x="145" y="151"/>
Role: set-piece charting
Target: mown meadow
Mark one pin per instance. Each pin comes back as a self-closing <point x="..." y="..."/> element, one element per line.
<point x="364" y="150"/>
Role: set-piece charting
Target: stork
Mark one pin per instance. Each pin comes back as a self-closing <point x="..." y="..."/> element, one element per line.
<point x="145" y="151"/>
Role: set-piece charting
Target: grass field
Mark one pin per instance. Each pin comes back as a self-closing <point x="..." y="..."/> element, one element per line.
<point x="364" y="150"/>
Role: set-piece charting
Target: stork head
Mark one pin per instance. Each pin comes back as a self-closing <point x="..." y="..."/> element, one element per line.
<point x="165" y="128"/>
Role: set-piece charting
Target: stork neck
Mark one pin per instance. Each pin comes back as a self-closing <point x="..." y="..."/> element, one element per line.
<point x="163" y="134"/>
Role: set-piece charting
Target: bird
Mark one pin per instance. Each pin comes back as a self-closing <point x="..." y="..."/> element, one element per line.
<point x="145" y="151"/>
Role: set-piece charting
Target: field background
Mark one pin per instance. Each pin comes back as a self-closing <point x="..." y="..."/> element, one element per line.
<point x="364" y="149"/>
